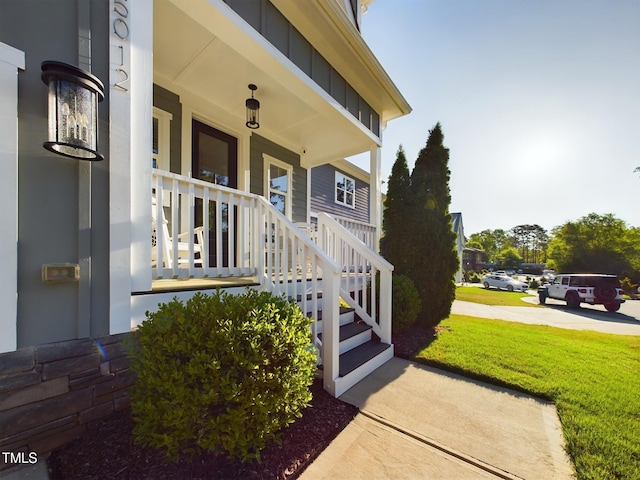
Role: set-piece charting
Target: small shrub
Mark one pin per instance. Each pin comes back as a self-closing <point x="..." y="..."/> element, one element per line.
<point x="628" y="286"/>
<point x="534" y="284"/>
<point x="221" y="373"/>
<point x="406" y="302"/>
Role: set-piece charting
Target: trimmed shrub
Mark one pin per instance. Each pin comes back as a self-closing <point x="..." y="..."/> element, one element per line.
<point x="221" y="373"/>
<point x="406" y="302"/>
<point x="628" y="286"/>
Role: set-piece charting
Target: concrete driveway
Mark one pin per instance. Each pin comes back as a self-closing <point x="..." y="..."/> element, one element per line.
<point x="555" y="313"/>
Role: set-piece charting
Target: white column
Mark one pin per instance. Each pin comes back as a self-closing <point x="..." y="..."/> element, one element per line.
<point x="375" y="195"/>
<point x="10" y="61"/>
<point x="130" y="110"/>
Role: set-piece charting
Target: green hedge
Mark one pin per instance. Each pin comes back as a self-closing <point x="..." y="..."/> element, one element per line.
<point x="221" y="373"/>
<point x="406" y="303"/>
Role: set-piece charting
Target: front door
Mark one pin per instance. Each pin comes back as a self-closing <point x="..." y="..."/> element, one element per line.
<point x="215" y="160"/>
<point x="215" y="156"/>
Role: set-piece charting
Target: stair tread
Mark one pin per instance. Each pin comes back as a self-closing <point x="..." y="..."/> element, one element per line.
<point x="343" y="310"/>
<point x="350" y="330"/>
<point x="353" y="359"/>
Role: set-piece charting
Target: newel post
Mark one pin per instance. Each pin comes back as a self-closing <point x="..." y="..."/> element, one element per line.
<point x="386" y="310"/>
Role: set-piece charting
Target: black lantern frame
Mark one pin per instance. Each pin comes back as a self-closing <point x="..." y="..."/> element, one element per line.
<point x="73" y="111"/>
<point x="253" y="109"/>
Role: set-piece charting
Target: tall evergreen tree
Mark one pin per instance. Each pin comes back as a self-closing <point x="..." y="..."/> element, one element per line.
<point x="396" y="216"/>
<point x="434" y="260"/>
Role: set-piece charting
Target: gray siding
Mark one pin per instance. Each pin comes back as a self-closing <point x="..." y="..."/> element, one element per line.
<point x="48" y="183"/>
<point x="170" y="102"/>
<point x="260" y="146"/>
<point x="264" y="17"/>
<point x="323" y="185"/>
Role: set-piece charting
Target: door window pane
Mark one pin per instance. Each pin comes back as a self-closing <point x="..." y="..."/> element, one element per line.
<point x="213" y="160"/>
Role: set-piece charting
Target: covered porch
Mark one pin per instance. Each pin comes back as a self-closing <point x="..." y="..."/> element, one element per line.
<point x="234" y="240"/>
<point x="219" y="204"/>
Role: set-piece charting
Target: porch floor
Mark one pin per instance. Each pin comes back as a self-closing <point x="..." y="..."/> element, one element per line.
<point x="182" y="284"/>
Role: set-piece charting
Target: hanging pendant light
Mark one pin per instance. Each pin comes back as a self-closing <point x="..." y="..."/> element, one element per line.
<point x="253" y="109"/>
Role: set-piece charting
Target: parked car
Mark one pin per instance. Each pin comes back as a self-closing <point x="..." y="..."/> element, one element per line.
<point x="502" y="282"/>
<point x="593" y="288"/>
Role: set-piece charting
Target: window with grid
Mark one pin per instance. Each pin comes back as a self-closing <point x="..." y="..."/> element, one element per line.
<point x="345" y="190"/>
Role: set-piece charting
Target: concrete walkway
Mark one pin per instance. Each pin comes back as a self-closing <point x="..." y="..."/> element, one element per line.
<point x="417" y="422"/>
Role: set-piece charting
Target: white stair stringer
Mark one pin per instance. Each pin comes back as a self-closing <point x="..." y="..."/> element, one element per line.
<point x="342" y="384"/>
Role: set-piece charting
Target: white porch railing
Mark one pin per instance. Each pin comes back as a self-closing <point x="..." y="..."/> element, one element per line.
<point x="240" y="234"/>
<point x="360" y="268"/>
<point x="365" y="232"/>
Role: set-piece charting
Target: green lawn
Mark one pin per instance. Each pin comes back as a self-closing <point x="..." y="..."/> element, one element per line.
<point x="492" y="297"/>
<point x="593" y="379"/>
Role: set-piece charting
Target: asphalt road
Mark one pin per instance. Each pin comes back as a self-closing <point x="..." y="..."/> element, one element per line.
<point x="626" y="321"/>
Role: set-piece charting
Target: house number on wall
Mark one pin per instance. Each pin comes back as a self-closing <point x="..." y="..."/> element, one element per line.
<point x="121" y="30"/>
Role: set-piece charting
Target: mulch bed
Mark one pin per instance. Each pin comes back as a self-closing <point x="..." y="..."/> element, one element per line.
<point x="107" y="452"/>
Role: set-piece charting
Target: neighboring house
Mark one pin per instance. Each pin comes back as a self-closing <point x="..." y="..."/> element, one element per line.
<point x="181" y="163"/>
<point x="473" y="259"/>
<point x="458" y="229"/>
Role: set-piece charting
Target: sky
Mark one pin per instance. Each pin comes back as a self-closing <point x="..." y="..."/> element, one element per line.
<point x="539" y="102"/>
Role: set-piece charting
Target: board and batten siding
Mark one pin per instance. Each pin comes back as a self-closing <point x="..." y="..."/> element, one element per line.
<point x="323" y="194"/>
<point x="261" y="146"/>
<point x="50" y="186"/>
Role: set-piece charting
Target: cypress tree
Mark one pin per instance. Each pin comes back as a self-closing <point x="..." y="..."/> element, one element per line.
<point x="434" y="260"/>
<point x="394" y="245"/>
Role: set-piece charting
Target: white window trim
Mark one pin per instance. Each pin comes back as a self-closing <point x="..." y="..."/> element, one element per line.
<point x="335" y="190"/>
<point x="163" y="158"/>
<point x="268" y="161"/>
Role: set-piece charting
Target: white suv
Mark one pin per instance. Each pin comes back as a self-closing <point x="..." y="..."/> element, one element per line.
<point x="592" y="288"/>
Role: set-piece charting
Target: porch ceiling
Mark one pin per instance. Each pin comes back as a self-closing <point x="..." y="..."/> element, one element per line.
<point x="208" y="55"/>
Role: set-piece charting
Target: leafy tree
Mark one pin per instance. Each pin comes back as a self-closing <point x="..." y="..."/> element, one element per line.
<point x="492" y="241"/>
<point x="509" y="257"/>
<point x="473" y="244"/>
<point x="394" y="246"/>
<point x="596" y="243"/>
<point x="434" y="260"/>
<point x="531" y="241"/>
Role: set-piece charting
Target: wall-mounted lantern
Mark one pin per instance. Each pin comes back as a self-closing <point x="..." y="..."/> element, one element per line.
<point x="73" y="110"/>
<point x="253" y="109"/>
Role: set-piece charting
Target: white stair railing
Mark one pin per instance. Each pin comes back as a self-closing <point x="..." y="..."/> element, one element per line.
<point x="365" y="232"/>
<point x="296" y="267"/>
<point x="360" y="268"/>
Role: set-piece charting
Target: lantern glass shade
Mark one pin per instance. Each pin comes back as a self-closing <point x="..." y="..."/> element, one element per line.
<point x="253" y="109"/>
<point x="253" y="113"/>
<point x="73" y="111"/>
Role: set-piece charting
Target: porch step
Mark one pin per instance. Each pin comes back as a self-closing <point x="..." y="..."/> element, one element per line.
<point x="358" y="356"/>
<point x="351" y="330"/>
<point x="351" y="336"/>
<point x="344" y="312"/>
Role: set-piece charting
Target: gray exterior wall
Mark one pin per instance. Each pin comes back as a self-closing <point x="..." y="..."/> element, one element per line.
<point x="49" y="184"/>
<point x="259" y="146"/>
<point x="170" y="102"/>
<point x="263" y="16"/>
<point x="323" y="194"/>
